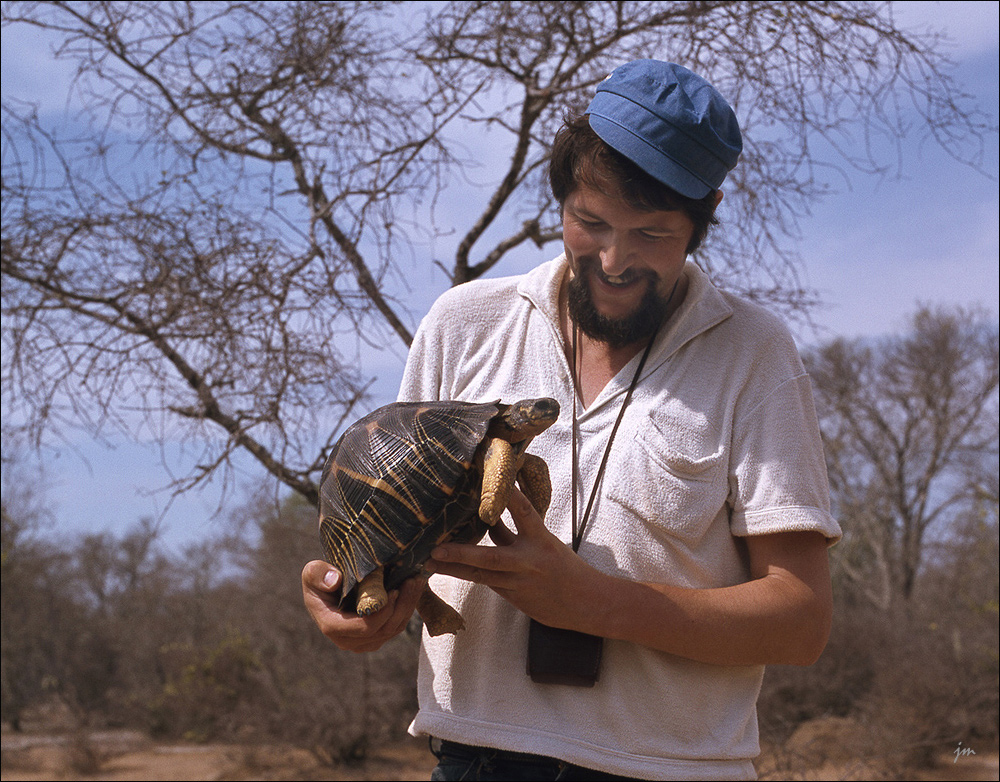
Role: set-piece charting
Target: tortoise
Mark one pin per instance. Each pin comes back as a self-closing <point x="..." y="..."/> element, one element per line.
<point x="412" y="475"/>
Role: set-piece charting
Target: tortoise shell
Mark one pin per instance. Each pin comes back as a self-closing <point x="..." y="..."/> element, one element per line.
<point x="400" y="481"/>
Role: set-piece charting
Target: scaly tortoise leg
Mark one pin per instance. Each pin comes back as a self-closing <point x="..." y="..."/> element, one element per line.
<point x="533" y="478"/>
<point x="438" y="616"/>
<point x="371" y="593"/>
<point x="499" y="466"/>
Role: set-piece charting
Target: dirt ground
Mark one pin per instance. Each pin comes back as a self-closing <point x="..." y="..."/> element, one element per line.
<point x="129" y="755"/>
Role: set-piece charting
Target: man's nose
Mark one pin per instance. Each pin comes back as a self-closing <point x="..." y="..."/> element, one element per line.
<point x="615" y="257"/>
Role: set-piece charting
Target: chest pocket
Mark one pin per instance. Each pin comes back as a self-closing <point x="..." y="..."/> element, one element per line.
<point x="672" y="476"/>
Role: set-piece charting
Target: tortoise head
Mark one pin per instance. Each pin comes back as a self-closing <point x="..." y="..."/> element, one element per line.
<point x="525" y="419"/>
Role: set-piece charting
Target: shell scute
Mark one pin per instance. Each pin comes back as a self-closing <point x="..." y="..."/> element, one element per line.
<point x="398" y="482"/>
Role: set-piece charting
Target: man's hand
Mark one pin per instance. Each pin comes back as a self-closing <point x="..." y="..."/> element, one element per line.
<point x="320" y="582"/>
<point x="780" y="616"/>
<point x="533" y="570"/>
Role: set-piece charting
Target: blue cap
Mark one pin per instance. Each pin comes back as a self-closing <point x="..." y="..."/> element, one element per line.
<point x="670" y="122"/>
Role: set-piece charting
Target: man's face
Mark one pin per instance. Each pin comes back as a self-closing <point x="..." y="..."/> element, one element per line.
<point x="624" y="264"/>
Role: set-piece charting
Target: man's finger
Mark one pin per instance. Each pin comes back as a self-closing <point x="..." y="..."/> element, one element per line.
<point x="496" y="558"/>
<point x="501" y="535"/>
<point x="321" y="576"/>
<point x="495" y="579"/>
<point x="526" y="518"/>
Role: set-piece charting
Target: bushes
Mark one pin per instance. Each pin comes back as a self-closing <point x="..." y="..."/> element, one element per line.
<point x="890" y="691"/>
<point x="205" y="688"/>
<point x="213" y="645"/>
<point x="216" y="645"/>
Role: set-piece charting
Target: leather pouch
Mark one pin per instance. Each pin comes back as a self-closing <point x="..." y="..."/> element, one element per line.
<point x="568" y="657"/>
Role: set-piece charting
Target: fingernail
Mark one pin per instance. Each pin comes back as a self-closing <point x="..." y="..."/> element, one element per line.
<point x="330" y="578"/>
<point x="440" y="553"/>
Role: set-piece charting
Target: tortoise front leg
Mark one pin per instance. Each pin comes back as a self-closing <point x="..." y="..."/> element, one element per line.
<point x="533" y="478"/>
<point x="499" y="464"/>
<point x="371" y="593"/>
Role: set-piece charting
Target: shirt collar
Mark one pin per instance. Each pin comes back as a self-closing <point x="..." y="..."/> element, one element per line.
<point x="703" y="307"/>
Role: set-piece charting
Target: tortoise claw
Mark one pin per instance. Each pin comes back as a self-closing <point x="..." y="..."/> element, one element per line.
<point x="372" y="596"/>
<point x="368" y="606"/>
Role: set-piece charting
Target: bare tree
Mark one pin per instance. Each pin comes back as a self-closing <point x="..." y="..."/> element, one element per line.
<point x="211" y="247"/>
<point x="30" y="611"/>
<point x="910" y="426"/>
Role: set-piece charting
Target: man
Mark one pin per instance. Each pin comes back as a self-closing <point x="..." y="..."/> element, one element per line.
<point x="696" y="544"/>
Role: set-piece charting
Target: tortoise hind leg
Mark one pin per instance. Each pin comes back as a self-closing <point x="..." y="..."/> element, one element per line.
<point x="438" y="616"/>
<point x="371" y="593"/>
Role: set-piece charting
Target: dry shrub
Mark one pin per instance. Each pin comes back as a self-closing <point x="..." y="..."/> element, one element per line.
<point x="341" y="705"/>
<point x="890" y="692"/>
<point x="83" y="755"/>
<point x="792" y="695"/>
<point x="205" y="689"/>
<point x="822" y="748"/>
<point x="928" y="695"/>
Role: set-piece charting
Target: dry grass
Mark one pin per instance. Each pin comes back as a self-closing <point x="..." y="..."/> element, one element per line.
<point x="819" y="749"/>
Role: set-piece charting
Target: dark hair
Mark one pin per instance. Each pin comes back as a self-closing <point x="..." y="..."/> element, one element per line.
<point x="581" y="157"/>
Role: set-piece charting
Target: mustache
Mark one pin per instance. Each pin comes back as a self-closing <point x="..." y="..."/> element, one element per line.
<point x="590" y="265"/>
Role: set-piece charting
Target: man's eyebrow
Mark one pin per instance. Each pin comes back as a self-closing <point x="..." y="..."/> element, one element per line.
<point x="657" y="229"/>
<point x="581" y="211"/>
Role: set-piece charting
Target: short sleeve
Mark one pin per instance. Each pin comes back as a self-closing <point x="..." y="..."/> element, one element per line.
<point x="779" y="480"/>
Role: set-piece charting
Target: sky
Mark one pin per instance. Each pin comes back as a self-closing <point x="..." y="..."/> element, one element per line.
<point x="929" y="235"/>
<point x="926" y="234"/>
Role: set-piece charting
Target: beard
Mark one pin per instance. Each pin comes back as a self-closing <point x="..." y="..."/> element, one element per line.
<point x="640" y="324"/>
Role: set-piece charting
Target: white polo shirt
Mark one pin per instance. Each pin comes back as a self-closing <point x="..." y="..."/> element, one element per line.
<point x="719" y="441"/>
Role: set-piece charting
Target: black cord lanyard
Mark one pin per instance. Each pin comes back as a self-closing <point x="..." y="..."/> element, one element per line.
<point x="578" y="529"/>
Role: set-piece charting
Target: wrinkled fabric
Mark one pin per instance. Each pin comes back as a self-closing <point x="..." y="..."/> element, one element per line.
<point x="720" y="441"/>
